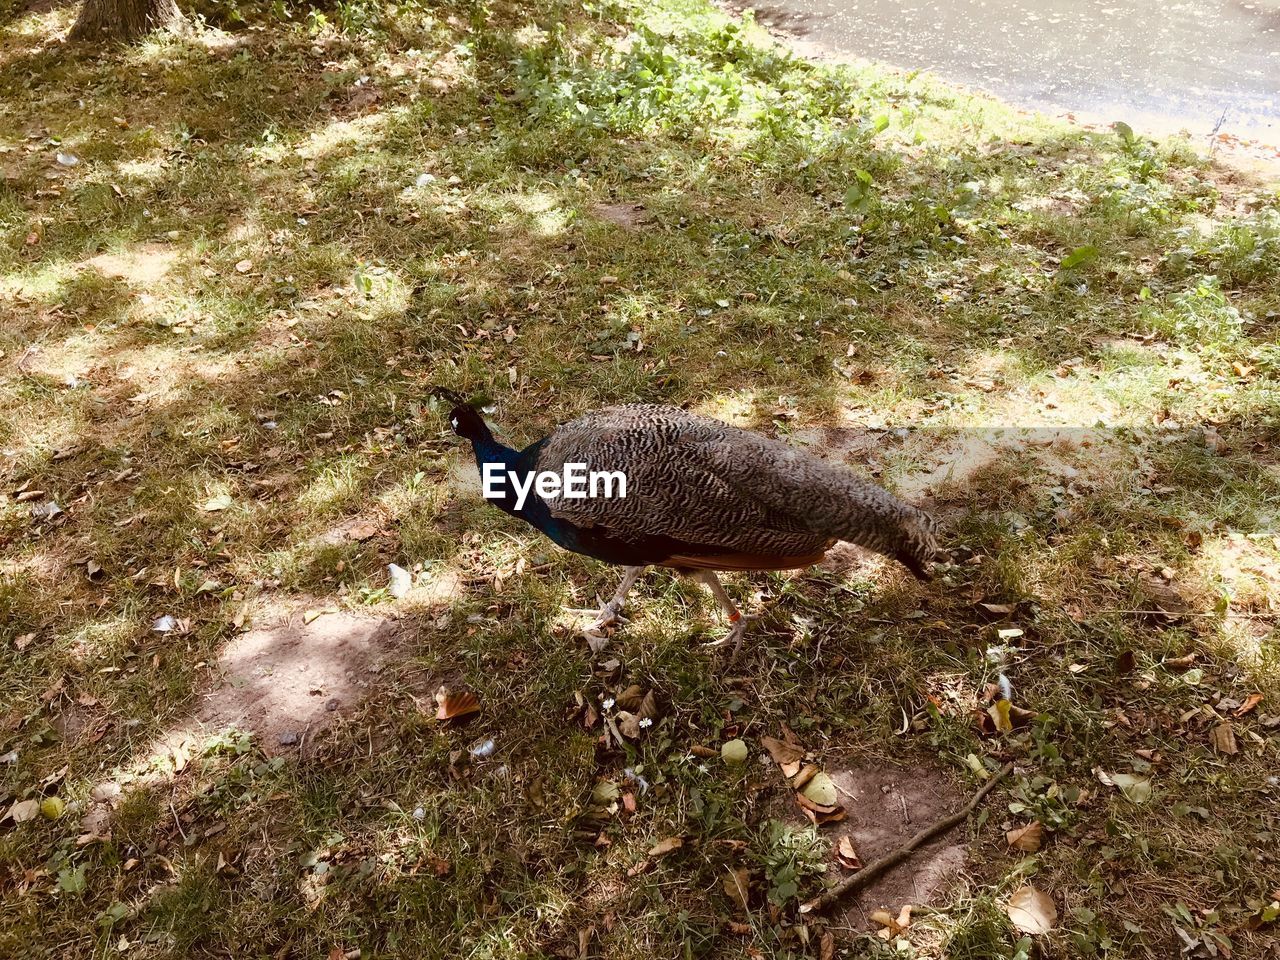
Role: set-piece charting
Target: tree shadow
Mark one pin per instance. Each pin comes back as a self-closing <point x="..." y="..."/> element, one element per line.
<point x="295" y="388"/>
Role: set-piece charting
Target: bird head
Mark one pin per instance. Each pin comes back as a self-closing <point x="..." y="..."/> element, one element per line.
<point x="918" y="548"/>
<point x="464" y="418"/>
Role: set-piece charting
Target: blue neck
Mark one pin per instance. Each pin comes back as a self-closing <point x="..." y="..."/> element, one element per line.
<point x="489" y="450"/>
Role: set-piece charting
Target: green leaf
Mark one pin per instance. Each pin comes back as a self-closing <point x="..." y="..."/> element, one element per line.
<point x="1078" y="257"/>
<point x="821" y="789"/>
<point x="1135" y="789"/>
<point x="114" y="913"/>
<point x="1125" y="131"/>
<point x="72" y="880"/>
<point x="858" y="197"/>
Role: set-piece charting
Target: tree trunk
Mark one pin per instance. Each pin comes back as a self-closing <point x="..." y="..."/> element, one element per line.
<point x="109" y="20"/>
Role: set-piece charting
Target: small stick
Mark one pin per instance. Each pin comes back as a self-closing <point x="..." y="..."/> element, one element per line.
<point x="876" y="867"/>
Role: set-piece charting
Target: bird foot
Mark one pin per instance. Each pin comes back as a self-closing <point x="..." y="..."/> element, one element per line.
<point x="737" y="633"/>
<point x="610" y="615"/>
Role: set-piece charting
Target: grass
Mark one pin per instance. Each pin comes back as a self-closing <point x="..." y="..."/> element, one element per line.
<point x="277" y="234"/>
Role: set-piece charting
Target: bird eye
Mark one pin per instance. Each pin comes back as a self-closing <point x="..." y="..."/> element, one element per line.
<point x="454" y="421"/>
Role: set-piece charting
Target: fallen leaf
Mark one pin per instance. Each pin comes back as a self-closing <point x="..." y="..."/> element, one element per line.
<point x="1032" y="911"/>
<point x="818" y="813"/>
<point x="214" y="504"/>
<point x="999" y="712"/>
<point x="736" y="886"/>
<point x="827" y="946"/>
<point x="1250" y="703"/>
<point x="847" y="855"/>
<point x="1179" y="664"/>
<point x="1027" y="839"/>
<point x="364" y="530"/>
<point x="1135" y="789"/>
<point x="454" y="704"/>
<point x="604" y="793"/>
<point x="785" y="755"/>
<point x="22" y="811"/>
<point x="800" y="777"/>
<point x="821" y="789"/>
<point x="998" y="609"/>
<point x="244" y="266"/>
<point x="1223" y="738"/>
<point x="663" y="847"/>
<point x="881" y="918"/>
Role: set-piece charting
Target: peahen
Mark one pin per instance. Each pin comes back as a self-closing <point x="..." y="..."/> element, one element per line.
<point x="701" y="496"/>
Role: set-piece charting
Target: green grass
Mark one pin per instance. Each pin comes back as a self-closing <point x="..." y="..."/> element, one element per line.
<point x="246" y="285"/>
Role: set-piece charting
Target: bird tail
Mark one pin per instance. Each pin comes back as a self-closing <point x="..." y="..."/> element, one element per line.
<point x="831" y="500"/>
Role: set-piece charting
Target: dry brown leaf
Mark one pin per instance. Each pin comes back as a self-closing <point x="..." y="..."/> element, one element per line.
<point x="1032" y="911"/>
<point x="1028" y="838"/>
<point x="736" y="884"/>
<point x="813" y="805"/>
<point x="364" y="530"/>
<point x="663" y="847"/>
<point x="1179" y="664"/>
<point x="998" y="609"/>
<point x="847" y="855"/>
<point x="1250" y="704"/>
<point x="818" y="813"/>
<point x="801" y="777"/>
<point x="698" y="750"/>
<point x="827" y="946"/>
<point x="22" y="811"/>
<point x="881" y="918"/>
<point x="783" y="753"/>
<point x="1223" y="738"/>
<point x="629" y="699"/>
<point x="454" y="704"/>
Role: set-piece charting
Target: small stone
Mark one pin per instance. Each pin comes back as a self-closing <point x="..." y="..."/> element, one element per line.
<point x="288" y="739"/>
<point x="332" y="704"/>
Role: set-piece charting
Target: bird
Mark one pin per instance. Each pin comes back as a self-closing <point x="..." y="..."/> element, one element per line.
<point x="701" y="496"/>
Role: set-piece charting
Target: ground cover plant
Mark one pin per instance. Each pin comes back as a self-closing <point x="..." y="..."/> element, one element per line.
<point x="233" y="262"/>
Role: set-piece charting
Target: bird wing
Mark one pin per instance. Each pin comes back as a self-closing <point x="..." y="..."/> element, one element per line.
<point x="682" y="482"/>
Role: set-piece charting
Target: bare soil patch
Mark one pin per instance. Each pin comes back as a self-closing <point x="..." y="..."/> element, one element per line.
<point x="286" y="682"/>
<point x="629" y="216"/>
<point x="143" y="265"/>
<point x="886" y="807"/>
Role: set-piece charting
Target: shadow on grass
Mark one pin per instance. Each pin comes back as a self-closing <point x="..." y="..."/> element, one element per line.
<point x="338" y="243"/>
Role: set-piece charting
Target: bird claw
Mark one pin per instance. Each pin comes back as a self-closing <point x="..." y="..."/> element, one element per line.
<point x="610" y="615"/>
<point x="737" y="633"/>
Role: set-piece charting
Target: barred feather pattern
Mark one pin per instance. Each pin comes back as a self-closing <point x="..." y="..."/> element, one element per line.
<point x="702" y="481"/>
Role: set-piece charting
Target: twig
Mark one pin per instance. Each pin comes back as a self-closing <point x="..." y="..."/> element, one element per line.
<point x="888" y="861"/>
<point x="177" y="822"/>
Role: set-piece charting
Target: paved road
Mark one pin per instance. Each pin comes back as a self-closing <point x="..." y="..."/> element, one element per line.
<point x="1160" y="65"/>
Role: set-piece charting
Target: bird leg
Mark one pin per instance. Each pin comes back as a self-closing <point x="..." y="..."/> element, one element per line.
<point x="738" y="630"/>
<point x="611" y="612"/>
